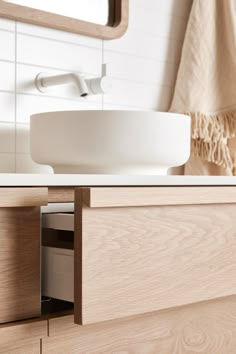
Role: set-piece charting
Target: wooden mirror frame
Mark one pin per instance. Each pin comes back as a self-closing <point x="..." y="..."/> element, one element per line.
<point x="116" y="27"/>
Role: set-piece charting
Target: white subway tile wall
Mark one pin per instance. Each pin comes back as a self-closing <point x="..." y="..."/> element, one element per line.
<point x="142" y="64"/>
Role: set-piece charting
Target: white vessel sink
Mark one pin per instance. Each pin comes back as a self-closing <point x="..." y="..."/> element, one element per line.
<point x="110" y="142"/>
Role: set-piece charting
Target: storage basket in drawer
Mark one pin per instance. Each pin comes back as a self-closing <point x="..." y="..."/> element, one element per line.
<point x="58" y="221"/>
<point x="58" y="273"/>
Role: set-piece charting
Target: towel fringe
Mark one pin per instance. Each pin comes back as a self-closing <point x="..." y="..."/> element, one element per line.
<point x="216" y="126"/>
<point x="209" y="136"/>
<point x="215" y="152"/>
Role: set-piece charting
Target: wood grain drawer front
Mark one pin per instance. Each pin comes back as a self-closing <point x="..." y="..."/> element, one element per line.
<point x="23" y="197"/>
<point x="203" y="328"/>
<point x="32" y="347"/>
<point x="135" y="260"/>
<point x="22" y="337"/>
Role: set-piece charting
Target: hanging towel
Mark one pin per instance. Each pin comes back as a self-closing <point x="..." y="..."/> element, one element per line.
<point x="206" y="86"/>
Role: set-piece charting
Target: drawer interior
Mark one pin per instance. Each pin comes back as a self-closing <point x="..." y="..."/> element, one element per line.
<point x="57" y="262"/>
<point x="58" y="221"/>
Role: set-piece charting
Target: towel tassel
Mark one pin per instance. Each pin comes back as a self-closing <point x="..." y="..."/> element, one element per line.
<point x="209" y="136"/>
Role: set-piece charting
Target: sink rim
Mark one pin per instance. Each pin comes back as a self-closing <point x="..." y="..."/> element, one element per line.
<point x="168" y="115"/>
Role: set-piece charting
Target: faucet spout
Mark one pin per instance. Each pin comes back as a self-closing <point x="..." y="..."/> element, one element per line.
<point x="42" y="82"/>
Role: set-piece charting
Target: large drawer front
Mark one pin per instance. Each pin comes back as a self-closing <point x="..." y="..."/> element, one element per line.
<point x="204" y="328"/>
<point x="137" y="259"/>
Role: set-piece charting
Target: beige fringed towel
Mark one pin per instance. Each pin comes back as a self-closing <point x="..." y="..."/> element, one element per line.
<point x="206" y="86"/>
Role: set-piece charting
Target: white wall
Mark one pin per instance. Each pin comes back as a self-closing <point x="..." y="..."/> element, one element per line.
<point x="143" y="66"/>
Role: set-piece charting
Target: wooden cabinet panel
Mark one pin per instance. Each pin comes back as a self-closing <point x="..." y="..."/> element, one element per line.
<point x="22" y="337"/>
<point x="19" y="263"/>
<point x="20" y="252"/>
<point x="203" y="328"/>
<point x="147" y="196"/>
<point x="22" y="348"/>
<point x="140" y="196"/>
<point x="23" y="197"/>
<point x="61" y="194"/>
<point x="136" y="260"/>
<point x="22" y="331"/>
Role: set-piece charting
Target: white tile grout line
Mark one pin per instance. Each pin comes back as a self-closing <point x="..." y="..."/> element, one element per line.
<point x="15" y="97"/>
<point x="102" y="63"/>
<point x="115" y="51"/>
<point x="8" y="91"/>
<point x="6" y="153"/>
<point x="80" y="100"/>
<point x="7" y="61"/>
<point x="116" y="77"/>
<point x="64" y="98"/>
<point x="133" y="29"/>
<point x="92" y="73"/>
<point x="55" y="68"/>
<point x="59" y="40"/>
<point x="7" y="30"/>
<point x="120" y="51"/>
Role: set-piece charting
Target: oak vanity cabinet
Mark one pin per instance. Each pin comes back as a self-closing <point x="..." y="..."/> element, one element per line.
<point x="20" y="252"/>
<point x="154" y="270"/>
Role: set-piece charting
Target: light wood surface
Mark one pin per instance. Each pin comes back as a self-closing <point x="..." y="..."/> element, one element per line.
<point x="203" y="328"/>
<point x="141" y="196"/>
<point x="135" y="260"/>
<point x="23" y="197"/>
<point x="43" y="18"/>
<point x="19" y="263"/>
<point x="22" y="348"/>
<point x="22" y="331"/>
<point x="61" y="194"/>
<point x="22" y="337"/>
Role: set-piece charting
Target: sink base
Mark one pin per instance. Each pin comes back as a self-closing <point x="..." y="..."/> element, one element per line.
<point x="107" y="170"/>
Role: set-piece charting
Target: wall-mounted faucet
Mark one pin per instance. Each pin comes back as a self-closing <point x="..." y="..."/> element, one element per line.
<point x="98" y="85"/>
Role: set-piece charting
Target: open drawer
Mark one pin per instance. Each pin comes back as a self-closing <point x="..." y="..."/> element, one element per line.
<point x="139" y="250"/>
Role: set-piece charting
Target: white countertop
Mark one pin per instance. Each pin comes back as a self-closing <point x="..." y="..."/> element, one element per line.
<point x="16" y="179"/>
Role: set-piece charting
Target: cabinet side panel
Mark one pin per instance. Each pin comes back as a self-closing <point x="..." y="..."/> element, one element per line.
<point x="19" y="263"/>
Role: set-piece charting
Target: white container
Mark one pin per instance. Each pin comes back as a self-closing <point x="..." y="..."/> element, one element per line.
<point x="110" y="142"/>
<point x="58" y="273"/>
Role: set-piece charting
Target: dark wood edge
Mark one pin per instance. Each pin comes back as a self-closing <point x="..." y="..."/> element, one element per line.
<point x="78" y="255"/>
<point x="43" y="18"/>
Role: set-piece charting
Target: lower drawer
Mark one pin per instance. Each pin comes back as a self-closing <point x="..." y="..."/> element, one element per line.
<point x="203" y="328"/>
<point x="58" y="273"/>
<point x="134" y="260"/>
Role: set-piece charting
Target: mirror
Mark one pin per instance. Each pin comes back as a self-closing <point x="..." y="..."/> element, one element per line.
<point x="96" y="11"/>
<point x="107" y="19"/>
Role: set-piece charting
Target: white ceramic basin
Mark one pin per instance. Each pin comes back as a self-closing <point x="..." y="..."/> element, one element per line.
<point x="110" y="142"/>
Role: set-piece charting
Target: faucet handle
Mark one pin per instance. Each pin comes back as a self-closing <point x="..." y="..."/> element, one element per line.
<point x="101" y="84"/>
<point x="104" y="69"/>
